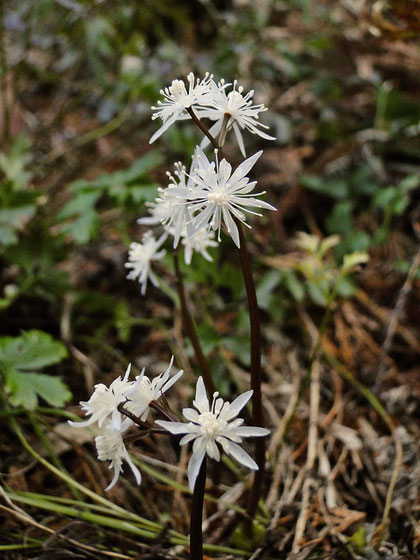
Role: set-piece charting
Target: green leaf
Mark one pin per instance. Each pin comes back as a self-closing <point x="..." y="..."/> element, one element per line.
<point x="24" y="389"/>
<point x="19" y="356"/>
<point x="30" y="351"/>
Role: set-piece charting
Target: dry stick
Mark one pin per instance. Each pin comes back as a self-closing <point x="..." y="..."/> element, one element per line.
<point x="191" y="331"/>
<point x="393" y="320"/>
<point x="196" y="523"/>
<point x="254" y="316"/>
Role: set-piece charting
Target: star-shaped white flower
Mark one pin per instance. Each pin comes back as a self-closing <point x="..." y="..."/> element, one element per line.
<point x="140" y="257"/>
<point x="217" y="195"/>
<point x="103" y="403"/>
<point x="178" y="98"/>
<point x="212" y="428"/>
<point x="242" y="113"/>
<point x="145" y="390"/>
<point x="110" y="447"/>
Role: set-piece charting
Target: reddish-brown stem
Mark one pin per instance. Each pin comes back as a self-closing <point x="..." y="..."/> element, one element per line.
<point x="191" y="331"/>
<point x="196" y="530"/>
<point x="164" y="411"/>
<point x="254" y="317"/>
<point x="148" y="428"/>
<point x="256" y="378"/>
<point x="203" y="129"/>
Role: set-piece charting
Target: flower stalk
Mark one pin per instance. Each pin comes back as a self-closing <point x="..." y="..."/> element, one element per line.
<point x="196" y="523"/>
<point x="255" y="351"/>
<point x="256" y="378"/>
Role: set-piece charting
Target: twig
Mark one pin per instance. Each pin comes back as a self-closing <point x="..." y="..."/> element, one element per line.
<point x="191" y="331"/>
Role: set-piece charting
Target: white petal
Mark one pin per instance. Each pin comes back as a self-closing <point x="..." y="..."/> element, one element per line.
<point x="242" y="456"/>
<point x="201" y="401"/>
<point x="194" y="468"/>
<point x="239" y="138"/>
<point x="127" y="373"/>
<point x="238" y="404"/>
<point x="250" y="431"/>
<point x="163" y="128"/>
<point x="134" y="469"/>
<point x="172" y="380"/>
<point x="114" y="480"/>
<point x="244" y="168"/>
<point x="174" y="427"/>
<point x="256" y="202"/>
<point x="81" y="424"/>
<point x="187" y="438"/>
<point x="230" y="224"/>
<point x="190" y="414"/>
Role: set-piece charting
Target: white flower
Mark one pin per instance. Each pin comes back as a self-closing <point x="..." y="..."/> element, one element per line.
<point x="144" y="391"/>
<point x="243" y="114"/>
<point x="199" y="242"/>
<point x="140" y="257"/>
<point x="110" y="447"/>
<point x="218" y="194"/>
<point x="177" y="98"/>
<point x="212" y="427"/>
<point x="170" y="208"/>
<point x="103" y="403"/>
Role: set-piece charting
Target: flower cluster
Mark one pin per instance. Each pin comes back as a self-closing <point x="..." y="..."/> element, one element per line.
<point x="103" y="409"/>
<point x="210" y="196"/>
<point x="212" y="429"/>
<point x="210" y="100"/>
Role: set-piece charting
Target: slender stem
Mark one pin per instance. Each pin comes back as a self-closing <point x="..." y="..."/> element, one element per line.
<point x="203" y="128"/>
<point x="254" y="317"/>
<point x="196" y="523"/>
<point x="256" y="377"/>
<point x="163" y="410"/>
<point x="224" y="129"/>
<point x="191" y="331"/>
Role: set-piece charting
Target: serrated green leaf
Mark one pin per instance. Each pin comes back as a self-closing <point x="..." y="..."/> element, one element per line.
<point x="30" y="351"/>
<point x="24" y="389"/>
